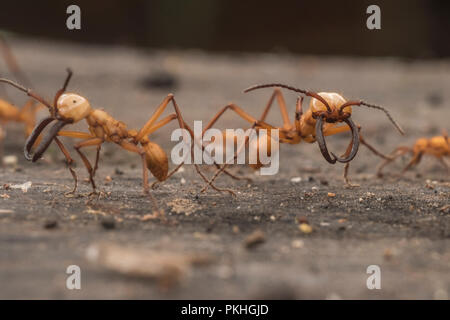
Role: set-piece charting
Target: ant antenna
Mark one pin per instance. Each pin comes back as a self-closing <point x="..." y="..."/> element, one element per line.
<point x="305" y="92"/>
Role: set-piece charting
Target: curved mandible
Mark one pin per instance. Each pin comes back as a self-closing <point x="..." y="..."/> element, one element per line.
<point x="330" y="156"/>
<point x="45" y="142"/>
<point x="34" y="135"/>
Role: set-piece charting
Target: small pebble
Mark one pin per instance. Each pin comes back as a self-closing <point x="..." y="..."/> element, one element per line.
<point x="10" y="160"/>
<point x="108" y="223"/>
<point x="50" y="224"/>
<point x="296" y="179"/>
<point x="302" y="219"/>
<point x="305" y="228"/>
<point x="297" y="244"/>
<point x="388" y="254"/>
<point x="254" y="239"/>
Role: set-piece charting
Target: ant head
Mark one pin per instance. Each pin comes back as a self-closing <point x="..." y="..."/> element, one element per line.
<point x="72" y="107"/>
<point x="332" y="112"/>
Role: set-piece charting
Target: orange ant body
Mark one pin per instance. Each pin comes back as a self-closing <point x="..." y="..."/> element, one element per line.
<point x="8" y="111"/>
<point x="327" y="110"/>
<point x="69" y="108"/>
<point x="438" y="147"/>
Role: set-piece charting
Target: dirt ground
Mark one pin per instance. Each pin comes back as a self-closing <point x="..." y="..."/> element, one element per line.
<point x="401" y="225"/>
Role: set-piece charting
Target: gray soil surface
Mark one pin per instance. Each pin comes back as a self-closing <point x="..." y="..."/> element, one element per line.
<point x="401" y="225"/>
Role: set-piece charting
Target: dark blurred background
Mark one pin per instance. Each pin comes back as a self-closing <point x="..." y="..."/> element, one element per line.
<point x="414" y="28"/>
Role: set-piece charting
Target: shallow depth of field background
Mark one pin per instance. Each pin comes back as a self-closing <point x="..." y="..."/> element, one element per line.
<point x="130" y="54"/>
<point x="413" y="29"/>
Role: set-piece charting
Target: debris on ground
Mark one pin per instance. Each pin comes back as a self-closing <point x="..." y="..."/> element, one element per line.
<point x="305" y="228"/>
<point x="50" y="224"/>
<point x="108" y="223"/>
<point x="296" y="179"/>
<point x="254" y="239"/>
<point x="297" y="243"/>
<point x="445" y="208"/>
<point x="185" y="206"/>
<point x="24" y="186"/>
<point x="10" y="160"/>
<point x="388" y="254"/>
<point x="301" y="219"/>
<point x="165" y="267"/>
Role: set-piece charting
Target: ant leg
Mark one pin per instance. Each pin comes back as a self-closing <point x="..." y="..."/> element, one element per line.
<point x="394" y="155"/>
<point x="444" y="164"/>
<point x="87" y="164"/>
<point x="225" y="165"/>
<point x="282" y="104"/>
<point x="244" y="116"/>
<point x="231" y="175"/>
<point x="82" y="135"/>
<point x="134" y="148"/>
<point x="348" y="184"/>
<point x="240" y="113"/>
<point x="414" y="161"/>
<point x="69" y="162"/>
<point x="212" y="185"/>
<point x="76" y="134"/>
<point x="97" y="157"/>
<point x="150" y="127"/>
<point x="299" y="115"/>
<point x="11" y="62"/>
<point x="371" y="148"/>
<point x="162" y="123"/>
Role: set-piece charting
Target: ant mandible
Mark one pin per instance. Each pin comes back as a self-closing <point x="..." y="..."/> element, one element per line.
<point x="327" y="110"/>
<point x="69" y="108"/>
<point x="438" y="146"/>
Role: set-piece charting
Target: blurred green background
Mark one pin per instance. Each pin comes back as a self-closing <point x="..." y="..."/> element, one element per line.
<point x="414" y="28"/>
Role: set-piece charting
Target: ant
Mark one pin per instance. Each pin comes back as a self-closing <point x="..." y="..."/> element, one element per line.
<point x="327" y="110"/>
<point x="69" y="108"/>
<point x="438" y="146"/>
<point x="8" y="111"/>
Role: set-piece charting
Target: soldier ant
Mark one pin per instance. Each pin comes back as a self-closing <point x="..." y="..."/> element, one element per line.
<point x="69" y="108"/>
<point x="438" y="146"/>
<point x="327" y="110"/>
